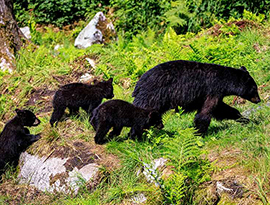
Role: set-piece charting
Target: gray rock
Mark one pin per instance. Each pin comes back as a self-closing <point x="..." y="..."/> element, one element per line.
<point x="99" y="30"/>
<point x="7" y="61"/>
<point x="91" y="34"/>
<point x="87" y="78"/>
<point x="138" y="199"/>
<point x="150" y="171"/>
<point x="51" y="174"/>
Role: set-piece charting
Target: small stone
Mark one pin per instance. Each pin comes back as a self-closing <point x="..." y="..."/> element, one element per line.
<point x="26" y="31"/>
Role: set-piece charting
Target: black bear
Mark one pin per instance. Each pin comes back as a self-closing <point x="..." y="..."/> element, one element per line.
<point x="76" y="95"/>
<point x="119" y="114"/>
<point x="197" y="87"/>
<point x="15" y="137"/>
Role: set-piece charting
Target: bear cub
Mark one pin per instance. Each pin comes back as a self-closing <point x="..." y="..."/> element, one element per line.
<point x="16" y="138"/>
<point x="76" y="95"/>
<point x="119" y="114"/>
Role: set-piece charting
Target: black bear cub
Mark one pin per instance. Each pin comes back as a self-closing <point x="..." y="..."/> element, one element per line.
<point x="119" y="114"/>
<point x="197" y="87"/>
<point x="16" y="138"/>
<point x="76" y="95"/>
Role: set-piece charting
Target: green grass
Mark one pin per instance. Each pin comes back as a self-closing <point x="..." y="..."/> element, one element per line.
<point x="43" y="68"/>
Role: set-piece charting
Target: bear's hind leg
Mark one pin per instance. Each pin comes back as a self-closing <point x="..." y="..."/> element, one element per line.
<point x="203" y="117"/>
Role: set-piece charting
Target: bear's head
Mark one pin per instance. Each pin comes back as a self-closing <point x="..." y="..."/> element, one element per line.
<point x="249" y="87"/>
<point x="155" y="119"/>
<point x="27" y="118"/>
<point x="107" y="88"/>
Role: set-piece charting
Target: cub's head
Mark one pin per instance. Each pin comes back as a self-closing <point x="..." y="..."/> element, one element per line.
<point x="107" y="87"/>
<point x="27" y="118"/>
<point x="155" y="119"/>
<point x="249" y="87"/>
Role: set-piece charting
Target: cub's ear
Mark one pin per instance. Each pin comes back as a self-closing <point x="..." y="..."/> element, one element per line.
<point x="110" y="80"/>
<point x="153" y="115"/>
<point x="243" y="68"/>
<point x="19" y="112"/>
<point x="95" y="81"/>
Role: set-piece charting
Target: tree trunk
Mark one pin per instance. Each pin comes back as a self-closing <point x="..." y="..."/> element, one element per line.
<point x="10" y="36"/>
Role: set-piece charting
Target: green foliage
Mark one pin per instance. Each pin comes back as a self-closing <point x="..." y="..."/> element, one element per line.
<point x="132" y="59"/>
<point x="192" y="15"/>
<point x="133" y="16"/>
<point x="58" y="12"/>
<point x="253" y="17"/>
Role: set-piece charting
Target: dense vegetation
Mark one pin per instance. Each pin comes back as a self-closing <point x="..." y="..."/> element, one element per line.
<point x="132" y="17"/>
<point x="229" y="151"/>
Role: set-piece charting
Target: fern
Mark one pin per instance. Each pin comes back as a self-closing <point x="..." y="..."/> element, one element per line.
<point x="179" y="14"/>
<point x="183" y="149"/>
<point x="175" y="188"/>
<point x="189" y="168"/>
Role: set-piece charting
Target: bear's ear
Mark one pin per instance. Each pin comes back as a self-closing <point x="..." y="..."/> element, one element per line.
<point x="243" y="68"/>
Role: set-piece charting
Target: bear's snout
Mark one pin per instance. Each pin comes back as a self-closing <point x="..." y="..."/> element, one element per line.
<point x="256" y="100"/>
<point x="37" y="122"/>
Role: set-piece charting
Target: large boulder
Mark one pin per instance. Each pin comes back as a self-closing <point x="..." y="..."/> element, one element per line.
<point x="65" y="169"/>
<point x="98" y="31"/>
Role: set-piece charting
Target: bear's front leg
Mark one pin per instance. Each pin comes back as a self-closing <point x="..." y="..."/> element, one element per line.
<point x="102" y="130"/>
<point x="115" y="132"/>
<point x="58" y="112"/>
<point x="73" y="111"/>
<point x="136" y="132"/>
<point x="224" y="111"/>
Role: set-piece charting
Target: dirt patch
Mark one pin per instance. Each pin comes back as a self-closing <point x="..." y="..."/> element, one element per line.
<point x="231" y="183"/>
<point x="79" y="152"/>
<point x="20" y="194"/>
<point x="79" y="67"/>
<point x="42" y="99"/>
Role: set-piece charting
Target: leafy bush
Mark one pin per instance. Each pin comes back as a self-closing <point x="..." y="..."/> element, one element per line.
<point x="192" y="15"/>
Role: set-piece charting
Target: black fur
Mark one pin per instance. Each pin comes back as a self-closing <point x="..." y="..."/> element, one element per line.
<point x="15" y="138"/>
<point x="119" y="114"/>
<point x="197" y="87"/>
<point x="76" y="95"/>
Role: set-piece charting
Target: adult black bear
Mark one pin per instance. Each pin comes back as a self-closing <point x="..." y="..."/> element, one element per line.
<point x="15" y="138"/>
<point x="76" y="95"/>
<point x="197" y="87"/>
<point x="119" y="114"/>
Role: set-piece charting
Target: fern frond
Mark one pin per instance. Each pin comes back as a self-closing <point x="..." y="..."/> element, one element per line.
<point x="183" y="149"/>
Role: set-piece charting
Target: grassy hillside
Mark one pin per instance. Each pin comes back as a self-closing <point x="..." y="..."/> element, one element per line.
<point x="229" y="152"/>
